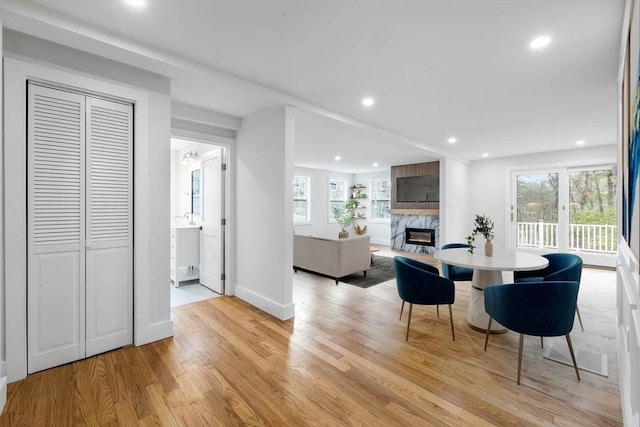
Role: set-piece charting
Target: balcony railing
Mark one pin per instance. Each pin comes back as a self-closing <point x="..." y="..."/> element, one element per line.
<point x="582" y="237"/>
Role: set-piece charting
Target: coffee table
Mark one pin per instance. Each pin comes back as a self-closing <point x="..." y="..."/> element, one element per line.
<point x="372" y="250"/>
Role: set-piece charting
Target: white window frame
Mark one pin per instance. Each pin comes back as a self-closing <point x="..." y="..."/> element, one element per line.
<point x="607" y="260"/>
<point x="307" y="219"/>
<point x="330" y="217"/>
<point x="372" y="200"/>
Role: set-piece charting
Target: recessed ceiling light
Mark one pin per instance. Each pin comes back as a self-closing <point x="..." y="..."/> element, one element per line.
<point x="338" y="158"/>
<point x="375" y="165"/>
<point x="485" y="154"/>
<point x="136" y="3"/>
<point x="451" y="140"/>
<point x="540" y="42"/>
<point x="367" y="102"/>
<point x="580" y="142"/>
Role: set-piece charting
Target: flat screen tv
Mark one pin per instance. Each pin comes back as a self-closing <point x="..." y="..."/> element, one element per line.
<point x="418" y="189"/>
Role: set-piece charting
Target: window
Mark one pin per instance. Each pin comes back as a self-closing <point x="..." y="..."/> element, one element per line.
<point x="301" y="199"/>
<point x="380" y="199"/>
<point x="195" y="192"/>
<point x="337" y="196"/>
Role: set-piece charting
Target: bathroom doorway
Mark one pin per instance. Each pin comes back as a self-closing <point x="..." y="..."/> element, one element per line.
<point x="197" y="209"/>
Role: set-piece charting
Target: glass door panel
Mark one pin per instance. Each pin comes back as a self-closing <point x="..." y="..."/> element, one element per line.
<point x="592" y="211"/>
<point x="537" y="210"/>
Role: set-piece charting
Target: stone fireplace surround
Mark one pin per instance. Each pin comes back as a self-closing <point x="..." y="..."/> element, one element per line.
<point x="399" y="222"/>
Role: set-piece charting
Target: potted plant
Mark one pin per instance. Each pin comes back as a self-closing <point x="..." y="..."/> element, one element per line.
<point x="482" y="225"/>
<point x="344" y="216"/>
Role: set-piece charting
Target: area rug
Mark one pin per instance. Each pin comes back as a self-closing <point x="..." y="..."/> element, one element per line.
<point x="588" y="360"/>
<point x="381" y="271"/>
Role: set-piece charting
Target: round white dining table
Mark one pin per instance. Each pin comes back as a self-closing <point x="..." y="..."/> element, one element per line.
<point x="487" y="271"/>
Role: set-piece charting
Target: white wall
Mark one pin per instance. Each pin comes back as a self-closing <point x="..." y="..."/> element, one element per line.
<point x="319" y="208"/>
<point x="152" y="212"/>
<point x="3" y="357"/>
<point x="380" y="231"/>
<point x="628" y="279"/>
<point x="489" y="187"/>
<point x="264" y="211"/>
<point x="182" y="178"/>
<point x="151" y="95"/>
<point x="454" y="201"/>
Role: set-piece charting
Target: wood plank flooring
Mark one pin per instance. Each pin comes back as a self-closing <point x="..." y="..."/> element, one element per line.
<point x="343" y="360"/>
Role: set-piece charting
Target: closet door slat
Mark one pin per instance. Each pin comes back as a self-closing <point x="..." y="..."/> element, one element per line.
<point x="109" y="171"/>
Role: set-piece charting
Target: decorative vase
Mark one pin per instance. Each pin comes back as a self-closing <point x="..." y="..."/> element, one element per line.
<point x="488" y="248"/>
<point x="343" y="234"/>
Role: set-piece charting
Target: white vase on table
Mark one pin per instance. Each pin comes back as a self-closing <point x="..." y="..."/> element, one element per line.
<point x="488" y="248"/>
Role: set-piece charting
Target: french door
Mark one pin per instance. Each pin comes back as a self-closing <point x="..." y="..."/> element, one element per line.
<point x="79" y="226"/>
<point x="565" y="209"/>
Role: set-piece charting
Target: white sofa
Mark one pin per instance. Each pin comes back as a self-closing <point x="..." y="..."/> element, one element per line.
<point x="334" y="258"/>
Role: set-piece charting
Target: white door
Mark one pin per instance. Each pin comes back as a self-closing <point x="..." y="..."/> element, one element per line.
<point x="109" y="240"/>
<point x="212" y="234"/>
<point x="55" y="228"/>
<point x="79" y="227"/>
<point x="566" y="209"/>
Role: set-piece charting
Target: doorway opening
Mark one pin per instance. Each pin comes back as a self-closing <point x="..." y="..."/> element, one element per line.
<point x="197" y="212"/>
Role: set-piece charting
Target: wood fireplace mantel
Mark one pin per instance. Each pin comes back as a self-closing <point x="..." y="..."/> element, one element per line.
<point x="434" y="212"/>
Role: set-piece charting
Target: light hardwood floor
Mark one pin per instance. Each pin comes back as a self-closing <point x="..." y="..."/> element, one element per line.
<point x="343" y="360"/>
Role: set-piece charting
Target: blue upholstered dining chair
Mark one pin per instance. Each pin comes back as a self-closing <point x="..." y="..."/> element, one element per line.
<point x="544" y="309"/>
<point x="453" y="272"/>
<point x="420" y="283"/>
<point x="562" y="267"/>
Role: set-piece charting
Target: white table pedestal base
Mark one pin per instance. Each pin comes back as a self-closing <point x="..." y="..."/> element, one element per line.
<point x="477" y="317"/>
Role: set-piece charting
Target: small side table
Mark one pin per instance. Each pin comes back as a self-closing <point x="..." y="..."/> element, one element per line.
<point x="372" y="250"/>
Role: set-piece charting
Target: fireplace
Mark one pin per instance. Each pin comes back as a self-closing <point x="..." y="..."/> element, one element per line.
<point x="420" y="236"/>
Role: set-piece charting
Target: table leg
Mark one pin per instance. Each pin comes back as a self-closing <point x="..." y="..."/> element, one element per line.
<point x="477" y="317"/>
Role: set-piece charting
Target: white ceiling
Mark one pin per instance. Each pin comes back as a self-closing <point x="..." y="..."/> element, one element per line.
<point x="437" y="68"/>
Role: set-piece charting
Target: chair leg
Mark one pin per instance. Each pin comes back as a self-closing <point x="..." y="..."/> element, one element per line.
<point x="453" y="334"/>
<point x="409" y="321"/>
<point x="520" y="357"/>
<point x="579" y="318"/>
<point x="541" y="342"/>
<point x="573" y="356"/>
<point x="438" y="311"/>
<point x="486" y="339"/>
<point x="401" y="308"/>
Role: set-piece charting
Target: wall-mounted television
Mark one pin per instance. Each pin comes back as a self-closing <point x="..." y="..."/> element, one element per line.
<point x="418" y="189"/>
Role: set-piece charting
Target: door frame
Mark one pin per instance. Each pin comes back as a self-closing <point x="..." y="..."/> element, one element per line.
<point x="601" y="260"/>
<point x="16" y="75"/>
<point x="228" y="231"/>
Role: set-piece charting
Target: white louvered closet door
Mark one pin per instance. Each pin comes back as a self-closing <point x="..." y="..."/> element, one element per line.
<point x="109" y="239"/>
<point x="79" y="282"/>
<point x="55" y="227"/>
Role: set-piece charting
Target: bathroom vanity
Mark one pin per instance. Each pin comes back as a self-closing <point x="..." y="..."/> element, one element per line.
<point x="185" y="253"/>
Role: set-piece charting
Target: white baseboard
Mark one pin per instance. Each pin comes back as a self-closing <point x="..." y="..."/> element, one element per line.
<point x="282" y="312"/>
<point x="155" y="332"/>
<point x="381" y="242"/>
<point x="628" y="418"/>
